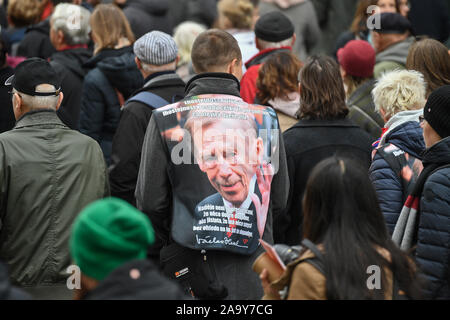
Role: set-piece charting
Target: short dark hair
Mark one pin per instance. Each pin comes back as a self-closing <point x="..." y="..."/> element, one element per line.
<point x="322" y="94"/>
<point x="214" y="48"/>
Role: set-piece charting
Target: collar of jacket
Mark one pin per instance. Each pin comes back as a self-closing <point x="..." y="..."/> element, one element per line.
<point x="344" y="123"/>
<point x="157" y="76"/>
<point x="263" y="55"/>
<point x="39" y="117"/>
<point x="438" y="154"/>
<point x="213" y="83"/>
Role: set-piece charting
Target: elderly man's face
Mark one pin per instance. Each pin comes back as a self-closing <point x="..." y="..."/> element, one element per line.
<point x="229" y="156"/>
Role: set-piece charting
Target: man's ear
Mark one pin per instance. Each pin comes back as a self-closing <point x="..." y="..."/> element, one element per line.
<point x="138" y="63"/>
<point x="60" y="99"/>
<point x="258" y="46"/>
<point x="294" y="38"/>
<point x="60" y="37"/>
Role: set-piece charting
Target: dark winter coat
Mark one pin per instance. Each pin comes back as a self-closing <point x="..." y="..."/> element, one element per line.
<point x="388" y="184"/>
<point x="136" y="280"/>
<point x="7" y="291"/>
<point x="69" y="65"/>
<point x="430" y="18"/>
<point x="200" y="11"/>
<point x="334" y="18"/>
<point x="148" y="15"/>
<point x="127" y="142"/>
<point x="433" y="247"/>
<point x="7" y="119"/>
<point x="112" y="72"/>
<point x="36" y="42"/>
<point x="362" y="110"/>
<point x="307" y="143"/>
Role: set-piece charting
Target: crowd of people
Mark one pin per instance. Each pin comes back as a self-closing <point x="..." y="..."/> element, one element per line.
<point x="153" y="149"/>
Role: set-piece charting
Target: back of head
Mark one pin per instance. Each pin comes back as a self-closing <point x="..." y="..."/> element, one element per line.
<point x="278" y="76"/>
<point x="23" y="13"/>
<point x="156" y="50"/>
<point x="73" y="21"/>
<point x="399" y="90"/>
<point x="184" y="36"/>
<point x="213" y="50"/>
<point x="341" y="212"/>
<point x="430" y="57"/>
<point x="107" y="234"/>
<point x="109" y="24"/>
<point x="235" y="14"/>
<point x="322" y="94"/>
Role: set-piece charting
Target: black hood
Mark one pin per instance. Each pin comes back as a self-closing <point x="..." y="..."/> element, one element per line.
<point x="73" y="59"/>
<point x="119" y="68"/>
<point x="147" y="284"/>
<point x="42" y="27"/>
<point x="152" y="7"/>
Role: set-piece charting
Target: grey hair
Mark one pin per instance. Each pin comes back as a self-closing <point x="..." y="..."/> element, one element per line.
<point x="399" y="90"/>
<point x="274" y="45"/>
<point x="40" y="102"/>
<point x="73" y="21"/>
<point x="148" y="68"/>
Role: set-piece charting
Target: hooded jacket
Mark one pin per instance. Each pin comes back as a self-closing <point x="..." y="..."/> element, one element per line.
<point x="113" y="74"/>
<point x="393" y="57"/>
<point x="433" y="246"/>
<point x="405" y="134"/>
<point x="69" y="65"/>
<point x="148" y="284"/>
<point x="148" y="15"/>
<point x="36" y="42"/>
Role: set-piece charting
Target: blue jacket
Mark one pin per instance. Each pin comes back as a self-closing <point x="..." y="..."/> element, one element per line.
<point x="100" y="107"/>
<point x="433" y="246"/>
<point x="389" y="187"/>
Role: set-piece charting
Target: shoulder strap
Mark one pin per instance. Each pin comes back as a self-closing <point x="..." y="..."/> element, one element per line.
<point x="318" y="260"/>
<point x="150" y="99"/>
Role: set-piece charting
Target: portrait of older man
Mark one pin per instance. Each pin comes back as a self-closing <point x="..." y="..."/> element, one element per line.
<point x="230" y="152"/>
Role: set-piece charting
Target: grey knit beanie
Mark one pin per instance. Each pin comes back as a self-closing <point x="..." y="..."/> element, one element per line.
<point x="156" y="47"/>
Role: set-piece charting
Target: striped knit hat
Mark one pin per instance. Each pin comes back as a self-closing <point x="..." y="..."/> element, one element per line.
<point x="156" y="47"/>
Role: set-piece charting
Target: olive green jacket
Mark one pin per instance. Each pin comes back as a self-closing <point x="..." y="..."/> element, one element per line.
<point x="48" y="174"/>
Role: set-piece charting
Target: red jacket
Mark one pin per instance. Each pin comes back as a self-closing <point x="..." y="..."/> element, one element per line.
<point x="248" y="82"/>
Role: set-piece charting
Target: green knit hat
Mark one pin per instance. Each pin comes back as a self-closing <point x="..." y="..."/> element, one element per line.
<point x="108" y="233"/>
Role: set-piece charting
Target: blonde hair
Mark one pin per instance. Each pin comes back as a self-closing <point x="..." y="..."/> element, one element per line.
<point x="109" y="25"/>
<point x="238" y="12"/>
<point x="24" y="12"/>
<point x="184" y="36"/>
<point x="399" y="90"/>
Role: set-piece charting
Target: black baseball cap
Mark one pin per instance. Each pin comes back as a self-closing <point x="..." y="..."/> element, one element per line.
<point x="393" y="23"/>
<point x="31" y="73"/>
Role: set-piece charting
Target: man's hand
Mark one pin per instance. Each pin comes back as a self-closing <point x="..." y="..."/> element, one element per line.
<point x="264" y="180"/>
